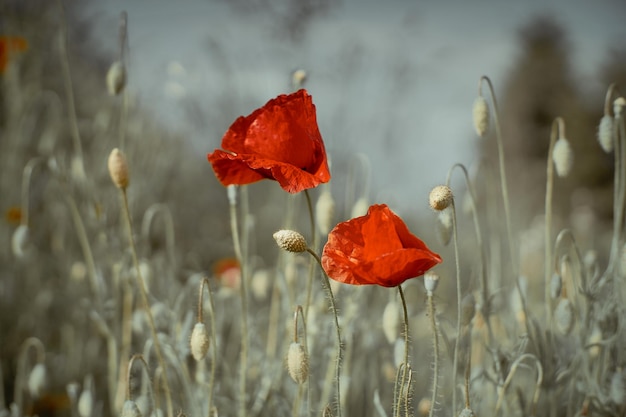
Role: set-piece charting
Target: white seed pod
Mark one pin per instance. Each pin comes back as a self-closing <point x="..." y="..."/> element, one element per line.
<point x="440" y="197"/>
<point x="290" y="241"/>
<point x="431" y="281"/>
<point x="556" y="284"/>
<point x="116" y="78"/>
<point x="605" y="133"/>
<point x="444" y="227"/>
<point x="617" y="391"/>
<point x="564" y="316"/>
<point x="563" y="157"/>
<point x="85" y="403"/>
<point x="468" y="309"/>
<point x="618" y="106"/>
<point x="391" y="321"/>
<point x="298" y="77"/>
<point x="325" y="212"/>
<point x="359" y="208"/>
<point x="199" y="341"/>
<point x="297" y="362"/>
<point x="118" y="169"/>
<point x="480" y="113"/>
<point x="37" y="380"/>
<point x="20" y="241"/>
<point x="130" y="409"/>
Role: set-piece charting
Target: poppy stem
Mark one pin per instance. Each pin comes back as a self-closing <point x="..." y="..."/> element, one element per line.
<point x="146" y="304"/>
<point x="459" y="297"/>
<point x="400" y="391"/>
<point x="433" y="324"/>
<point x="309" y="286"/>
<point x="333" y="306"/>
<point x="232" y="199"/>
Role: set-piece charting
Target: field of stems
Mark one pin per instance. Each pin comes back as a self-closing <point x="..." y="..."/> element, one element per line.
<point x="134" y="283"/>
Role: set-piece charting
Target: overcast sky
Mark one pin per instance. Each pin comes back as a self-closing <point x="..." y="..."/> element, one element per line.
<point x="394" y="80"/>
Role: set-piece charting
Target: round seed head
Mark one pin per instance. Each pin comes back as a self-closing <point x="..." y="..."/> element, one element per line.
<point x="199" y="341"/>
<point x="564" y="316"/>
<point x="444" y="227"/>
<point x="468" y="309"/>
<point x="556" y="284"/>
<point x="605" y="133"/>
<point x="441" y="197"/>
<point x="290" y="241"/>
<point x="325" y="212"/>
<point x="116" y="78"/>
<point x="431" y="280"/>
<point x="563" y="157"/>
<point x="618" y="106"/>
<point x="130" y="409"/>
<point x="297" y="363"/>
<point x="391" y="321"/>
<point x="118" y="169"/>
<point x="480" y="114"/>
<point x="360" y="208"/>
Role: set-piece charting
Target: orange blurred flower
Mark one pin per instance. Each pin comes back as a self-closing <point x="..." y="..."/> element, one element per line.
<point x="9" y="45"/>
<point x="13" y="215"/>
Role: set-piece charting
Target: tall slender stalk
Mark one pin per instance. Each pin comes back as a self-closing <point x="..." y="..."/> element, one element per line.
<point x="203" y="284"/>
<point x="459" y="297"/>
<point x="400" y="383"/>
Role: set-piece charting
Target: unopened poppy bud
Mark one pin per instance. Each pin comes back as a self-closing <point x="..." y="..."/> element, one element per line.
<point x="20" y="240"/>
<point x="37" y="380"/>
<point x="444" y="227"/>
<point x="468" y="309"/>
<point x="116" y="78"/>
<point x="618" y="106"/>
<point x="298" y="78"/>
<point x="564" y="316"/>
<point x="563" y="157"/>
<point x="130" y="409"/>
<point x="199" y="341"/>
<point x="290" y="241"/>
<point x="481" y="116"/>
<point x="297" y="363"/>
<point x="556" y="284"/>
<point x="325" y="212"/>
<point x="605" y="133"/>
<point x="431" y="280"/>
<point x="118" y="169"/>
<point x="391" y="321"/>
<point x="360" y="208"/>
<point x="441" y="197"/>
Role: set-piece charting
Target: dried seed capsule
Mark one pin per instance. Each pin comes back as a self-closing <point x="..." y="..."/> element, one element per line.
<point x="85" y="403"/>
<point x="431" y="280"/>
<point x="116" y="78"/>
<point x="441" y="197"/>
<point x="118" y="169"/>
<point x="290" y="241"/>
<point x="199" y="341"/>
<point x="480" y="113"/>
<point x="37" y="380"/>
<point x="297" y="363"/>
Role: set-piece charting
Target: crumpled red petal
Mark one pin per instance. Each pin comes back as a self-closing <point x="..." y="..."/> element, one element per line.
<point x="376" y="249"/>
<point x="280" y="141"/>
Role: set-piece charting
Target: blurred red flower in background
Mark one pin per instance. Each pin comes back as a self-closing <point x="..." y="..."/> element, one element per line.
<point x="376" y="249"/>
<point x="9" y="45"/>
<point x="279" y="141"/>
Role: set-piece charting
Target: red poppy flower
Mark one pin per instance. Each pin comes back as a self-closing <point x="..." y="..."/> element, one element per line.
<point x="279" y="141"/>
<point x="9" y="45"/>
<point x="376" y="249"/>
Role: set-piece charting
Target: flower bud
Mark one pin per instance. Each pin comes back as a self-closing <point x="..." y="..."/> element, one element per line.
<point x="605" y="133"/>
<point x="441" y="197"/>
<point x="297" y="363"/>
<point x="85" y="403"/>
<point x="37" y="380"/>
<point x="116" y="78"/>
<point x="199" y="342"/>
<point x="564" y="316"/>
<point x="431" y="280"/>
<point x="481" y="116"/>
<point x="563" y="157"/>
<point x="290" y="241"/>
<point x="118" y="169"/>
<point x="618" y="106"/>
<point x="298" y="77"/>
